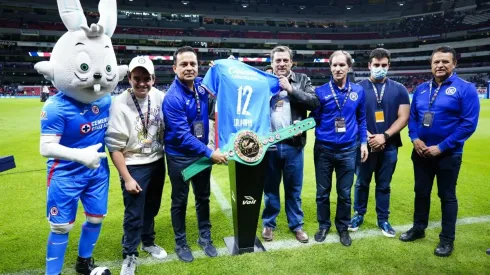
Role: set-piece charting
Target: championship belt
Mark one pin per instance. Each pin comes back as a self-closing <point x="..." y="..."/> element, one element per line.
<point x="248" y="148"/>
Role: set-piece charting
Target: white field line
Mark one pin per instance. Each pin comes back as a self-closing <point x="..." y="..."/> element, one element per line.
<point x="223" y="202"/>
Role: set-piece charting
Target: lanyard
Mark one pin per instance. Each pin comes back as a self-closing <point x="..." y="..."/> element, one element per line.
<point x="142" y="117"/>
<point x="379" y="97"/>
<point x="433" y="98"/>
<point x="198" y="104"/>
<point x="334" y="94"/>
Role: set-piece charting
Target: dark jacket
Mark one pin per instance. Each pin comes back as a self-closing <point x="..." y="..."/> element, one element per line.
<point x="302" y="98"/>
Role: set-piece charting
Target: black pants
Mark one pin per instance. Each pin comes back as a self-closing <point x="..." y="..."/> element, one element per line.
<point x="201" y="186"/>
<point x="141" y="209"/>
<point x="446" y="168"/>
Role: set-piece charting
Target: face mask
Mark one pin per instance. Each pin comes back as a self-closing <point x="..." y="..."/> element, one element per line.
<point x="379" y="73"/>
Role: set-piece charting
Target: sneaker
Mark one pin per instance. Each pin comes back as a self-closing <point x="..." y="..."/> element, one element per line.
<point x="85" y="265"/>
<point x="155" y="251"/>
<point x="129" y="265"/>
<point x="387" y="230"/>
<point x="356" y="222"/>
<point x="184" y="253"/>
<point x="208" y="247"/>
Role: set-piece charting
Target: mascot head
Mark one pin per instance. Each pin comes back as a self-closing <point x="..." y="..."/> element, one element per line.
<point x="83" y="64"/>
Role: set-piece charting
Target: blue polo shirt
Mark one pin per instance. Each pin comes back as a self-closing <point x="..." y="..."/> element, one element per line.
<point x="353" y="112"/>
<point x="456" y="109"/>
<point x="395" y="94"/>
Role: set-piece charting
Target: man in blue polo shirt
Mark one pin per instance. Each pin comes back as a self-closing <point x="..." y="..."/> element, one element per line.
<point x="185" y="110"/>
<point x="387" y="111"/>
<point x="443" y="115"/>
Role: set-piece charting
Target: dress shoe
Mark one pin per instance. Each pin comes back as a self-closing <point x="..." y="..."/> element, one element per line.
<point x="267" y="234"/>
<point x="301" y="236"/>
<point x="320" y="235"/>
<point x="345" y="238"/>
<point x="412" y="235"/>
<point x="444" y="249"/>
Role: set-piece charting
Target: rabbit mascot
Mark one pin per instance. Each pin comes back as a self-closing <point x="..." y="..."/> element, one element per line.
<point x="83" y="67"/>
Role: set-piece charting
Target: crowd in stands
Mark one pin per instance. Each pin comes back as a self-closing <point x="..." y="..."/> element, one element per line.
<point x="439" y="23"/>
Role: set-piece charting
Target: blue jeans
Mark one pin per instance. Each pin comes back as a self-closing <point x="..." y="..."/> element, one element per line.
<point x="383" y="165"/>
<point x="201" y="184"/>
<point x="287" y="161"/>
<point x="343" y="162"/>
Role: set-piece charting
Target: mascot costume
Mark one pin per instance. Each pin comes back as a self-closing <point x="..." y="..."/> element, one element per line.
<point x="83" y="67"/>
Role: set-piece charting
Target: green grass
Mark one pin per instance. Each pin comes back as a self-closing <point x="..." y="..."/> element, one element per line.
<point x="24" y="229"/>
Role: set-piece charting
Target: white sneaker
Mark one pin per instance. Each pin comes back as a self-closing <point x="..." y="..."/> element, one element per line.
<point x="129" y="265"/>
<point x="155" y="251"/>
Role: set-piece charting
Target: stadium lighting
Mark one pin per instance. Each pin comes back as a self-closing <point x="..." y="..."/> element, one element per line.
<point x="302" y="7"/>
<point x="185" y="2"/>
<point x="244" y="5"/>
<point x="401" y="3"/>
<point x="348" y="7"/>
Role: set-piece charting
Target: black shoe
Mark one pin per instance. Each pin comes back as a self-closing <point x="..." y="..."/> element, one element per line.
<point x="321" y="234"/>
<point x="208" y="247"/>
<point x="184" y="253"/>
<point x="412" y="235"/>
<point x="85" y="265"/>
<point x="488" y="251"/>
<point x="345" y="238"/>
<point x="444" y="249"/>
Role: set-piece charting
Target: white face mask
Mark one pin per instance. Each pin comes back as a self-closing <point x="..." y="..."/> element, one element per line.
<point x="379" y="73"/>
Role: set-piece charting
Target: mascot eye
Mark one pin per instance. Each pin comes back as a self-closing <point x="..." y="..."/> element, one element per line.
<point x="108" y="68"/>
<point x="84" y="67"/>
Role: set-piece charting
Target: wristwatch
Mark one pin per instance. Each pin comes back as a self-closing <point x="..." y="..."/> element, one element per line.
<point x="386" y="136"/>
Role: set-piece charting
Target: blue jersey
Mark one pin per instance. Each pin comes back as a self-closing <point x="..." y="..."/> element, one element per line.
<point x="455" y="109"/>
<point x="79" y="125"/>
<point x="243" y="98"/>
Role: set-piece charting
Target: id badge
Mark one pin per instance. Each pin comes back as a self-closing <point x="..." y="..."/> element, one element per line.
<point x="199" y="129"/>
<point x="340" y="125"/>
<point x="428" y="119"/>
<point x="279" y="106"/>
<point x="380" y="116"/>
<point x="146" y="149"/>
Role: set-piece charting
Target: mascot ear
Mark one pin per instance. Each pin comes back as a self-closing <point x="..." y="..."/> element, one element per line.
<point x="108" y="16"/>
<point x="46" y="69"/>
<point x="71" y="14"/>
<point x="122" y="70"/>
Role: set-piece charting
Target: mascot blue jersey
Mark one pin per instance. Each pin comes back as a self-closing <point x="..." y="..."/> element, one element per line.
<point x="243" y="98"/>
<point x="79" y="125"/>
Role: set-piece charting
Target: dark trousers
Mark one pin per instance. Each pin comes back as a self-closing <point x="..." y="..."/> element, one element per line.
<point x="383" y="165"/>
<point x="343" y="162"/>
<point x="446" y="168"/>
<point x="141" y="209"/>
<point x="201" y="185"/>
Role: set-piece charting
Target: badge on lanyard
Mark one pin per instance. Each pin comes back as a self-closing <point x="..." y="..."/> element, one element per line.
<point x="380" y="116"/>
<point x="279" y="106"/>
<point x="428" y="119"/>
<point x="198" y="128"/>
<point x="340" y="125"/>
<point x="146" y="149"/>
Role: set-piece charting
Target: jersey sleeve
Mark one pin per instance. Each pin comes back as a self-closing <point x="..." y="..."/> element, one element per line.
<point x="211" y="80"/>
<point x="52" y="119"/>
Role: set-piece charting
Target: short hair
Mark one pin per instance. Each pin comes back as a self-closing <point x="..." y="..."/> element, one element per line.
<point x="444" y="49"/>
<point x="339" y="52"/>
<point x="268" y="67"/>
<point x="281" y="49"/>
<point x="183" y="49"/>
<point x="379" y="53"/>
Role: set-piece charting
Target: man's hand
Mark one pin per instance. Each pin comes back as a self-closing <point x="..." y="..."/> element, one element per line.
<point x="364" y="152"/>
<point x="376" y="141"/>
<point x="211" y="64"/>
<point x="419" y="147"/>
<point x="218" y="157"/>
<point x="132" y="186"/>
<point x="284" y="84"/>
<point x="432" y="151"/>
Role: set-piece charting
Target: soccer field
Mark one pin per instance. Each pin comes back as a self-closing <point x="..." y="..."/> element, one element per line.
<point x="24" y="229"/>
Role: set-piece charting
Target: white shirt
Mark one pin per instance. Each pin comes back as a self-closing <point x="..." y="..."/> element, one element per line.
<point x="125" y="131"/>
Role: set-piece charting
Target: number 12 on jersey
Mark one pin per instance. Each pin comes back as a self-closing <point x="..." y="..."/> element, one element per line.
<point x="242" y="92"/>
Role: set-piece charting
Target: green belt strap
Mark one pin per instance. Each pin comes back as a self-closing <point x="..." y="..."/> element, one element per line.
<point x="248" y="148"/>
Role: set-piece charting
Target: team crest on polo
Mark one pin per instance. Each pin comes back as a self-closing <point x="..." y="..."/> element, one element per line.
<point x="95" y="109"/>
<point x="201" y="90"/>
<point x="450" y="91"/>
<point x="353" y="96"/>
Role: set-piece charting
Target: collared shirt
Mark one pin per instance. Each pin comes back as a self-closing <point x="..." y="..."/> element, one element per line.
<point x="180" y="113"/>
<point x="395" y="94"/>
<point x="353" y="112"/>
<point x="456" y="109"/>
<point x="281" y="108"/>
